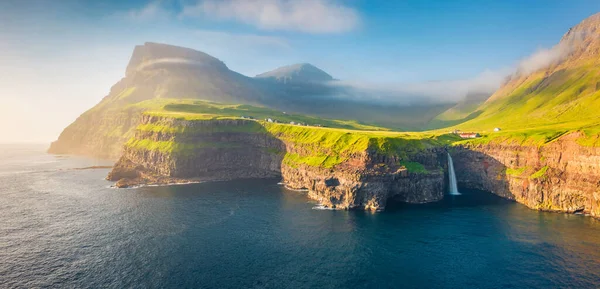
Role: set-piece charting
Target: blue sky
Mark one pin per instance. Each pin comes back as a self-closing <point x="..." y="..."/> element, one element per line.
<point x="64" y="55"/>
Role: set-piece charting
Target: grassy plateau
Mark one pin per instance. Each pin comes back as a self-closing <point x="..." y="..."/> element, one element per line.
<point x="326" y="143"/>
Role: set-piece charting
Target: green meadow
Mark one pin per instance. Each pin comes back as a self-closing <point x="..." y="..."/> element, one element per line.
<point x="542" y="107"/>
<point x="327" y="142"/>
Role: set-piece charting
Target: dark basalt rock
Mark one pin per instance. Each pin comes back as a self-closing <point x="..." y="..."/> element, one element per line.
<point x="364" y="181"/>
<point x="561" y="176"/>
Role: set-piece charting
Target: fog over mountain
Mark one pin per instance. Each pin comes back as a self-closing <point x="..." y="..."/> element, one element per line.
<point x="314" y="81"/>
<point x="166" y="71"/>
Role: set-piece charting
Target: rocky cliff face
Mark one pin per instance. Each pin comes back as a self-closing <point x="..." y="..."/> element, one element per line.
<point x="560" y="176"/>
<point x="200" y="150"/>
<point x="168" y="150"/>
<point x="367" y="181"/>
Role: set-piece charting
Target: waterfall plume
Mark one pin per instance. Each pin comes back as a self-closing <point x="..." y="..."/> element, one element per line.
<point x="452" y="177"/>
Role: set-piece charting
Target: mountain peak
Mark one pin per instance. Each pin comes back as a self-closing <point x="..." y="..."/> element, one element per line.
<point x="583" y="40"/>
<point x="151" y="53"/>
<point x="300" y="72"/>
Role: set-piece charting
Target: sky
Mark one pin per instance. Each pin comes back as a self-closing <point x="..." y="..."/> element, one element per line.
<point x="59" y="58"/>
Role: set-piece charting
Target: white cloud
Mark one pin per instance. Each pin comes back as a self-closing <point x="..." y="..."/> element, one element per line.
<point x="151" y="63"/>
<point x="312" y="16"/>
<point x="542" y="59"/>
<point x="153" y="11"/>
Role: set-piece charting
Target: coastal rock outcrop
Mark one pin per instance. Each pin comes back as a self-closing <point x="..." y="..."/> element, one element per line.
<point x="367" y="183"/>
<point x="167" y="150"/>
<point x="559" y="176"/>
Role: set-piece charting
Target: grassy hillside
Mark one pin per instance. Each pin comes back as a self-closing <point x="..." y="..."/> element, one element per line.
<point x="322" y="146"/>
<point x="543" y="106"/>
<point x="330" y="147"/>
<point x="463" y="111"/>
<point x="568" y="98"/>
<point x="197" y="110"/>
<point x="159" y="71"/>
<point x="538" y="107"/>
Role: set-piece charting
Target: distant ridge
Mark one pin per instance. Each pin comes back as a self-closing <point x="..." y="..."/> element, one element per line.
<point x="159" y="73"/>
<point x="297" y="73"/>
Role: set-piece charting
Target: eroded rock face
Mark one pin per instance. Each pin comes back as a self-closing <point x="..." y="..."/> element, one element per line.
<point x="561" y="176"/>
<point x="368" y="189"/>
<point x="224" y="151"/>
<point x="217" y="155"/>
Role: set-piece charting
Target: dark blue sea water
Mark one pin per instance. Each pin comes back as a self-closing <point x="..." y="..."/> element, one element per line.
<point x="65" y="228"/>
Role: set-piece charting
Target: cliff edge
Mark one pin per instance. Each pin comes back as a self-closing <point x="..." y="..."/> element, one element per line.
<point x="340" y="169"/>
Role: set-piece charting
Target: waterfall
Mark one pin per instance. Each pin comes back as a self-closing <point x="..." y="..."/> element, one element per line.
<point x="452" y="177"/>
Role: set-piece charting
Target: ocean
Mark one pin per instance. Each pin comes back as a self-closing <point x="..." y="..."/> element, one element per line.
<point x="62" y="226"/>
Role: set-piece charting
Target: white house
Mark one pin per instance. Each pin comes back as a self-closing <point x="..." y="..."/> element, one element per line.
<point x="497" y="129"/>
<point x="469" y="135"/>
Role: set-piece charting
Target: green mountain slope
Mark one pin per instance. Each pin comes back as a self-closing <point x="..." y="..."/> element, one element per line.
<point x="305" y="89"/>
<point x="159" y="72"/>
<point x="165" y="71"/>
<point x="564" y="96"/>
<point x="197" y="109"/>
<point x="465" y="110"/>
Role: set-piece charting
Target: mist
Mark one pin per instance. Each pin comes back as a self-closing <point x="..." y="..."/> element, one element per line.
<point x="542" y="59"/>
<point x="428" y="92"/>
<point x="453" y="91"/>
<point x="166" y="61"/>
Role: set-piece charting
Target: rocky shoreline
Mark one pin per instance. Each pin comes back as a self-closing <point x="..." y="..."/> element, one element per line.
<point x="328" y="191"/>
<point x="362" y="180"/>
<point x="561" y="176"/>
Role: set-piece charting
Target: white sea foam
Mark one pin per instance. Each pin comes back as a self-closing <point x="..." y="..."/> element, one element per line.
<point x="321" y="207"/>
<point x="158" y="185"/>
<point x="296" y="190"/>
<point x="292" y="189"/>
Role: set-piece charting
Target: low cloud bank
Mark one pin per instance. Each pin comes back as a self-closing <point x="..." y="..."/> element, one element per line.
<point x="431" y="92"/>
<point x="542" y="59"/>
<point x="452" y="91"/>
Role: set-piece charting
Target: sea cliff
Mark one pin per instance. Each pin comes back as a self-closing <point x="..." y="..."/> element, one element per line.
<point x="562" y="175"/>
<point x="347" y="169"/>
<point x="340" y="169"/>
